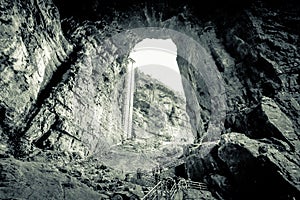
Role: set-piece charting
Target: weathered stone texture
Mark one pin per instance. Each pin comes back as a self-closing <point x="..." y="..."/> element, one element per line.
<point x="159" y="111"/>
<point x="32" y="48"/>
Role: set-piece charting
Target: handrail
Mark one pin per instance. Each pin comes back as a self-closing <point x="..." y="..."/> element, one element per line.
<point x="181" y="185"/>
<point x="149" y="194"/>
<point x="196" y="185"/>
<point x="173" y="191"/>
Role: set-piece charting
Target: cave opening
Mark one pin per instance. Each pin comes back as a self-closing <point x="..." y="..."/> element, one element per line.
<point x="157" y="100"/>
<point x="147" y="111"/>
<point x="156" y="124"/>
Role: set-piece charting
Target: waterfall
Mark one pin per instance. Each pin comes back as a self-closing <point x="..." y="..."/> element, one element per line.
<point x="129" y="101"/>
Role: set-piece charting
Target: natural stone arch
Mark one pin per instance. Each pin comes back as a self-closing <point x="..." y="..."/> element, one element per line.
<point x="190" y="50"/>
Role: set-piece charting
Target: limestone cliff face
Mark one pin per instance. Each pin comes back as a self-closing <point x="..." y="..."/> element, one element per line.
<point x="32" y="49"/>
<point x="83" y="115"/>
<point x="33" y="53"/>
<point x="159" y="111"/>
<point x="54" y="96"/>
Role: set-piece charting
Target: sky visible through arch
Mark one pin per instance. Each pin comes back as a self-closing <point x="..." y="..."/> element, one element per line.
<point x="157" y="57"/>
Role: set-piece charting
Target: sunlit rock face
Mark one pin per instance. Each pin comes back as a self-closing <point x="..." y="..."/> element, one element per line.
<point x="159" y="112"/>
<point x="84" y="114"/>
<point x="160" y="128"/>
<point x="52" y="98"/>
<point x="32" y="49"/>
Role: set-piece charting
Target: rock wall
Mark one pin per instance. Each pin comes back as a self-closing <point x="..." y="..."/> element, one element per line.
<point x="83" y="115"/>
<point x="54" y="96"/>
<point x="159" y="111"/>
<point x="260" y="68"/>
<point x="32" y="49"/>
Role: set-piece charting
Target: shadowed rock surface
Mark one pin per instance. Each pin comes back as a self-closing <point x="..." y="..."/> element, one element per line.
<point x="62" y="93"/>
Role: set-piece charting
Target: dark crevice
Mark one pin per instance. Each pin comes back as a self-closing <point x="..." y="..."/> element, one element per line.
<point x="56" y="79"/>
<point x="67" y="133"/>
<point x="43" y="142"/>
<point x="2" y="115"/>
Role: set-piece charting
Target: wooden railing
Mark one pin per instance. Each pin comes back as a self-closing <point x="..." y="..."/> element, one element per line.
<point x="161" y="190"/>
<point x="154" y="192"/>
<point x="196" y="185"/>
<point x="173" y="191"/>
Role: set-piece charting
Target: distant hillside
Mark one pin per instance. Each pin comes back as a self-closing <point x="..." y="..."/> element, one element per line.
<point x="159" y="111"/>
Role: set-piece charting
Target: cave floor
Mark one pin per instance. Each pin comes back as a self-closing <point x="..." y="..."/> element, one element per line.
<point x="140" y="153"/>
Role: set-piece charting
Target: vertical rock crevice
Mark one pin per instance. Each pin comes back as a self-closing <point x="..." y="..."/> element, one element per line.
<point x="32" y="47"/>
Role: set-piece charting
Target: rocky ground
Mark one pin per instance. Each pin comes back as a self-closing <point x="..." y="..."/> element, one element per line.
<point x="62" y="90"/>
<point x="45" y="176"/>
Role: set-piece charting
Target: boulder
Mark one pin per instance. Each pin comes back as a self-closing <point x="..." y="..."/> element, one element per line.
<point x="35" y="180"/>
<point x="259" y="170"/>
<point x="268" y="120"/>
